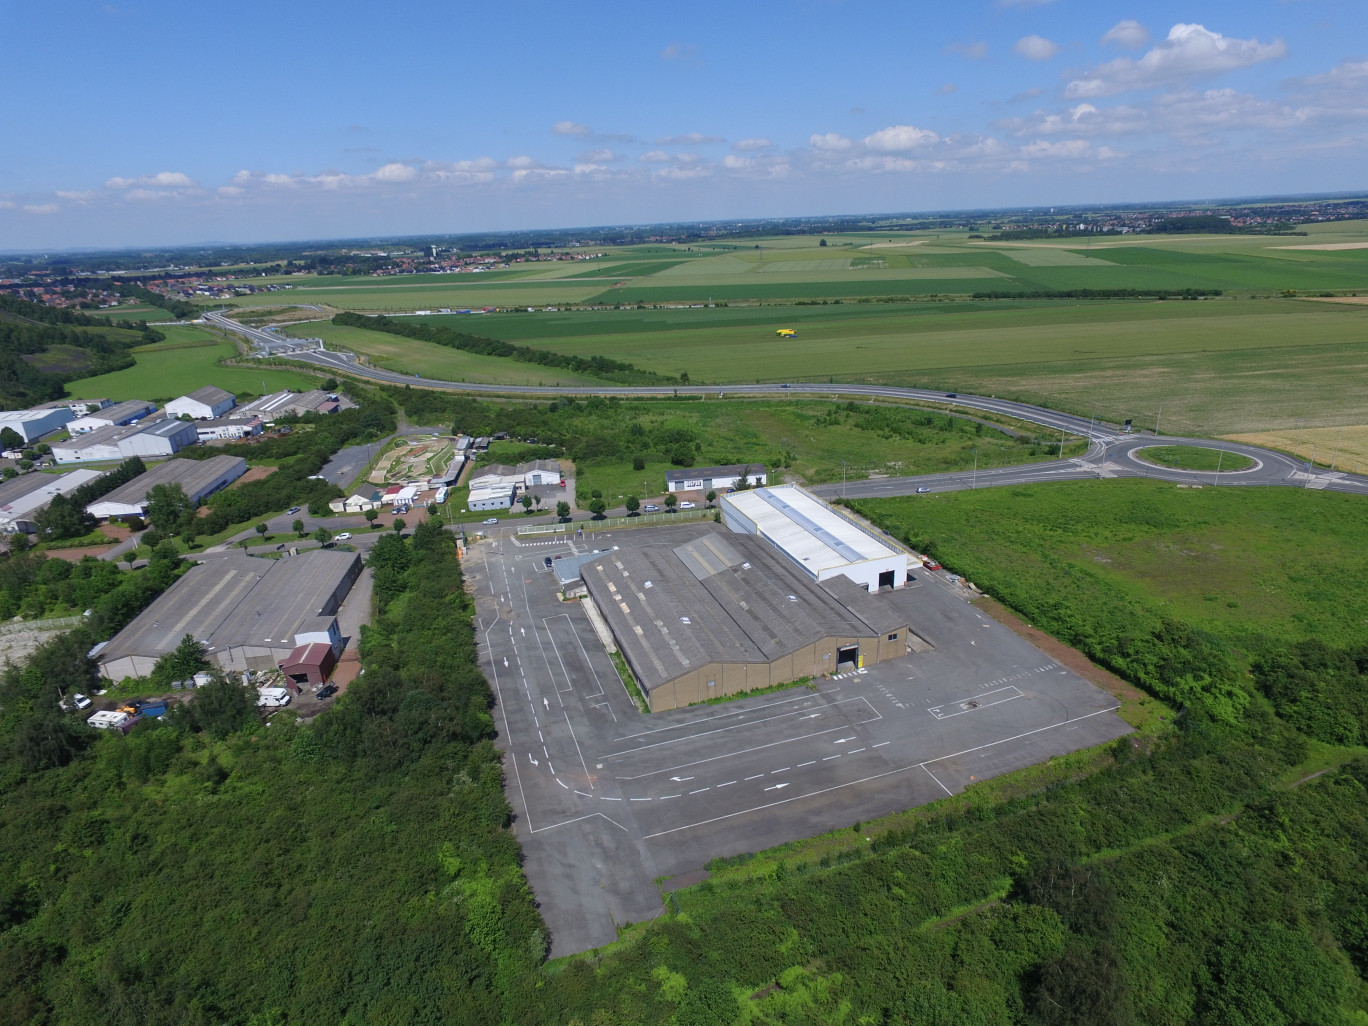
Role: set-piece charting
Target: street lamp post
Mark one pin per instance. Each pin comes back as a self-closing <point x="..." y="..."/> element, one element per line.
<point x="843" y="479"/>
<point x="973" y="487"/>
<point x="1156" y="420"/>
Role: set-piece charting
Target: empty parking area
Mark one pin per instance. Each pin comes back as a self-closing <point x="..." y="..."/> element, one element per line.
<point x="607" y="799"/>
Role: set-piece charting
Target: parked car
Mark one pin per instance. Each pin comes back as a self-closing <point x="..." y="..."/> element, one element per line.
<point x="686" y="505"/>
<point x="80" y="701"/>
<point x="344" y="536"/>
<point x="292" y="511"/>
<point x="272" y="698"/>
<point x="651" y="508"/>
<point x="492" y="520"/>
<point x="547" y="561"/>
<point x="930" y="563"/>
<point x="327" y="691"/>
<point x="923" y="489"/>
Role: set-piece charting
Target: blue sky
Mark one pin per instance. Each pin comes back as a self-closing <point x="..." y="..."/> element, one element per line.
<point x="145" y="123"/>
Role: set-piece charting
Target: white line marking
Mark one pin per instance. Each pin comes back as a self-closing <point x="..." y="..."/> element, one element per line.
<point x="880" y="744"/>
<point x="604" y="797"/>
<point x="727" y="784"/>
<point x="664" y="796"/>
<point x="756" y="777"/>
<point x="562" y="783"/>
<point x="828" y="758"/>
<point x="700" y="790"/>
<point x="582" y="794"/>
<point x="638" y="799"/>
<point x="937" y="780"/>
<point x="810" y="762"/>
<point x="782" y="769"/>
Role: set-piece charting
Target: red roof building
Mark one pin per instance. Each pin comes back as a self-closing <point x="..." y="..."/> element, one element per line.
<point x="310" y="664"/>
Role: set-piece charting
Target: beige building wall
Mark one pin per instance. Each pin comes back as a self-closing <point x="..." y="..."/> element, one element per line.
<point x="815" y="660"/>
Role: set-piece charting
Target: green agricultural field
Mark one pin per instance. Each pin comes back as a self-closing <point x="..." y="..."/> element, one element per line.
<point x="187" y="360"/>
<point x="412" y="356"/>
<point x="150" y="314"/>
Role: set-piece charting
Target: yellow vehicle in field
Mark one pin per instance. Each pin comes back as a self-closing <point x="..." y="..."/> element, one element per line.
<point x="787" y="332"/>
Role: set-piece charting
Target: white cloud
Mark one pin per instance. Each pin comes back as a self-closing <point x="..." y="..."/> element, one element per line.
<point x="751" y="145"/>
<point x="522" y="163"/>
<point x="830" y="142"/>
<point x="683" y="173"/>
<point x="946" y="89"/>
<point x="1349" y="73"/>
<point x="1189" y="50"/>
<point x="679" y="52"/>
<point x="1068" y="149"/>
<point x="1035" y="48"/>
<point x="1128" y="34"/>
<point x="974" y="51"/>
<point x="230" y="190"/>
<point x="8" y="204"/>
<point x="896" y="138"/>
<point x="571" y="128"/>
<point x="603" y="156"/>
<point x="689" y="139"/>
<point x="77" y="197"/>
<point x="735" y="163"/>
<point x="395" y="173"/>
<point x="654" y="157"/>
<point x="161" y="180"/>
<point x="41" y="208"/>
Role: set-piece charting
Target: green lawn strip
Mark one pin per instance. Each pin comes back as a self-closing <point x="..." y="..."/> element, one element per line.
<point x="629" y="682"/>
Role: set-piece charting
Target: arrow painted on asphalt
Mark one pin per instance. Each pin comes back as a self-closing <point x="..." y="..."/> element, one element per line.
<point x="776" y="787"/>
<point x="680" y="780"/>
<point x="843" y="740"/>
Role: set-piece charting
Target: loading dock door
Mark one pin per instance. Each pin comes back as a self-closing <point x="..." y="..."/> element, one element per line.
<point x="847" y="658"/>
<point x="886" y="579"/>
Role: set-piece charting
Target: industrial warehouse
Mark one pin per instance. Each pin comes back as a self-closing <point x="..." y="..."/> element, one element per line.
<point x="725" y="613"/>
<point x="197" y="478"/>
<point x="250" y="613"/>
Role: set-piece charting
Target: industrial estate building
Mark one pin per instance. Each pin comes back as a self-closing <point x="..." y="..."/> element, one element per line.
<point x="158" y="438"/>
<point x="112" y="416"/>
<point x="32" y="425"/>
<point x="819" y="539"/>
<point x="78" y="407"/>
<point x="724" y="613"/>
<point x="715" y="479"/>
<point x="24" y="497"/>
<point x="249" y="612"/>
<point x="281" y="404"/>
<point x="197" y="478"/>
<point x="496" y="485"/>
<point x="202" y="404"/>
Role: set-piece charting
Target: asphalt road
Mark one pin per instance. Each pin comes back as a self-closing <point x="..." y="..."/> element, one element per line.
<point x="607" y="800"/>
<point x="1110" y="452"/>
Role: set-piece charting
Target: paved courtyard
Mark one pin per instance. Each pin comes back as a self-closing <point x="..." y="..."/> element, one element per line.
<point x="607" y="800"/>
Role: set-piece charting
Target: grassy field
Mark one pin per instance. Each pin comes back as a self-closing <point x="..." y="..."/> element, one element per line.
<point x="1250" y="565"/>
<point x="187" y="360"/>
<point x="1186" y="457"/>
<point x="411" y="356"/>
<point x="1346" y="448"/>
<point x="140" y="312"/>
<point x="1219" y="366"/>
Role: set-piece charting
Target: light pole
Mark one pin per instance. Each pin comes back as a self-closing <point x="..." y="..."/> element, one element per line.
<point x="843" y="479"/>
<point x="973" y="486"/>
<point x="1156" y="420"/>
<point x="1217" y="479"/>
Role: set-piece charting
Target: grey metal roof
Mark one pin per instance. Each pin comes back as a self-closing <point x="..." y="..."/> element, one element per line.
<point x="721" y="598"/>
<point x="210" y="395"/>
<point x="110" y="434"/>
<point x="127" y="408"/>
<point x="192" y="475"/>
<point x="233" y="599"/>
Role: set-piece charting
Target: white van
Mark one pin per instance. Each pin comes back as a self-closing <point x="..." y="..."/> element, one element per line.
<point x="272" y="698"/>
<point x="108" y="719"/>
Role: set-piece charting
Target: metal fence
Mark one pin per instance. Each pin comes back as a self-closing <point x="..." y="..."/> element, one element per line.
<point x="608" y="523"/>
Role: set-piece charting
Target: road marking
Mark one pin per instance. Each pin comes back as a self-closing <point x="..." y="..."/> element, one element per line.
<point x="727" y="784"/>
<point x="700" y="790"/>
<point x="811" y="762"/>
<point x="777" y="787"/>
<point x="854" y="750"/>
<point x="843" y="740"/>
<point x="664" y="796"/>
<point x="782" y="769"/>
<point x="604" y="797"/>
<point x="828" y="758"/>
<point x="562" y="783"/>
<point x="756" y="777"/>
<point x="582" y="794"/>
<point x="680" y="780"/>
<point x="936" y="779"/>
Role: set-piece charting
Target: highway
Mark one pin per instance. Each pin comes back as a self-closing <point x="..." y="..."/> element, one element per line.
<point x="1111" y="452"/>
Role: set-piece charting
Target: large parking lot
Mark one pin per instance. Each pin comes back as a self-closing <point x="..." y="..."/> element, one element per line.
<point x="607" y="800"/>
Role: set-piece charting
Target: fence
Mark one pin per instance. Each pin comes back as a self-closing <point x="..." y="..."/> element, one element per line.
<point x="608" y="523"/>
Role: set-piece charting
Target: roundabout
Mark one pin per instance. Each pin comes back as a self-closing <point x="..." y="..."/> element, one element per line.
<point x="1196" y="459"/>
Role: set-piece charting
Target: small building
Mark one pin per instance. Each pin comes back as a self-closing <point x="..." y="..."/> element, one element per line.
<point x="816" y="537"/>
<point x="715" y="479"/>
<point x="204" y="403"/>
<point x="494" y="495"/>
<point x="197" y="478"/>
<point x="78" y="407"/>
<point x="24" y="497"/>
<point x="112" y="416"/>
<point x="164" y="438"/>
<point x="309" y="664"/>
<point x="32" y="425"/>
<point x="228" y="428"/>
<point x="355" y="504"/>
<point x="541" y="472"/>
